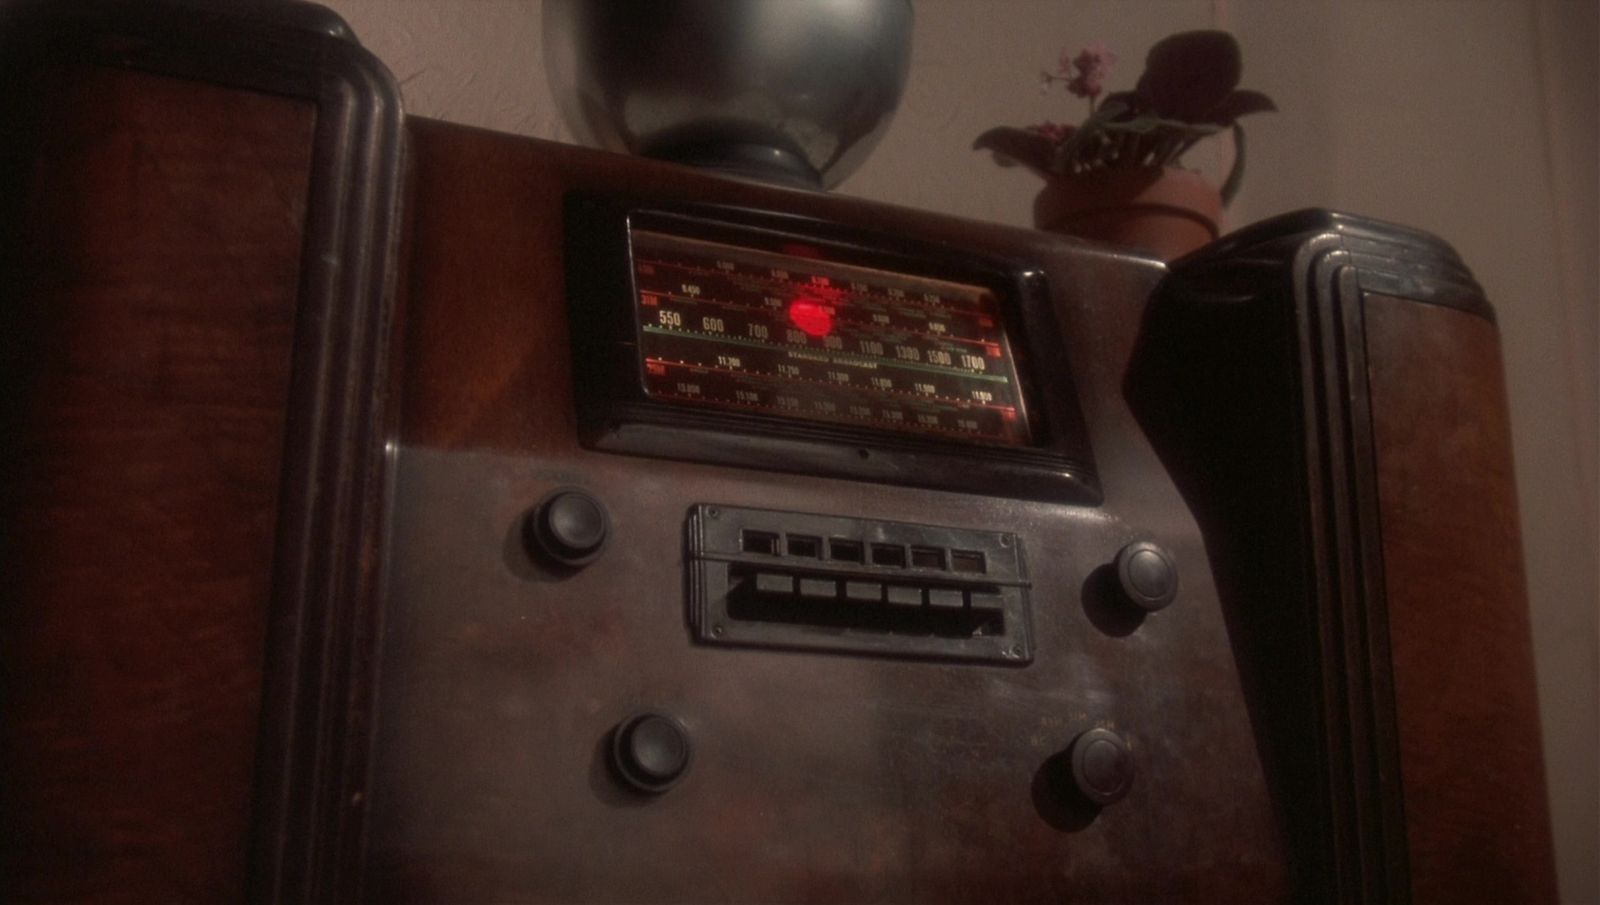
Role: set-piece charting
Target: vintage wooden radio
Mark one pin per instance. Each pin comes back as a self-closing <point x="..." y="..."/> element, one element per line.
<point x="399" y="511"/>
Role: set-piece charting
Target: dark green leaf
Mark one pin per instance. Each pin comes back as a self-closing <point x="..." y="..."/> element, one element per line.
<point x="1236" y="173"/>
<point x="1018" y="146"/>
<point x="1123" y="104"/>
<point x="1113" y="106"/>
<point x="1189" y="74"/>
<point x="1149" y="122"/>
<point x="1092" y="130"/>
<point x="1240" y="103"/>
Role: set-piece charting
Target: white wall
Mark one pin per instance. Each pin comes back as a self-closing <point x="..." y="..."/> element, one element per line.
<point x="1474" y="120"/>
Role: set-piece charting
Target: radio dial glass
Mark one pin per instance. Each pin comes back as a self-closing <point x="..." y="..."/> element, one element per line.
<point x="792" y="335"/>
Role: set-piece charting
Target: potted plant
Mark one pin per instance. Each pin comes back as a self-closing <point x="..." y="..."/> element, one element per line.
<point x="1117" y="176"/>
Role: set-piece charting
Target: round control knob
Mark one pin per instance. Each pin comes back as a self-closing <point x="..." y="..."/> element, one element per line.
<point x="1102" y="766"/>
<point x="569" y="527"/>
<point x="650" y="752"/>
<point x="1147" y="575"/>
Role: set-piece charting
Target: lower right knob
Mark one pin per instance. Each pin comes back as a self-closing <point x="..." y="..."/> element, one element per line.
<point x="650" y="752"/>
<point x="1102" y="766"/>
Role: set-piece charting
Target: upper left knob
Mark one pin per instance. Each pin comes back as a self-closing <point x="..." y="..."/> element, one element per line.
<point x="569" y="527"/>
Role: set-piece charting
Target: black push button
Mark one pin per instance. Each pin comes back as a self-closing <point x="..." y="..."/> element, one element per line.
<point x="967" y="561"/>
<point x="569" y="527"/>
<point x="1147" y="575"/>
<point x="846" y="550"/>
<point x="986" y="601"/>
<point x="650" y="752"/>
<point x="774" y="583"/>
<point x="900" y="595"/>
<point x="820" y="588"/>
<point x="863" y="591"/>
<point x="758" y="542"/>
<point x="889" y="555"/>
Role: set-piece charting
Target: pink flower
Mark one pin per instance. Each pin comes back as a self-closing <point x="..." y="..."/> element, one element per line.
<point x="1064" y="67"/>
<point x="1085" y="73"/>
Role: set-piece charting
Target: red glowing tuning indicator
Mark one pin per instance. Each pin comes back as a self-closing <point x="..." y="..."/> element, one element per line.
<point x="815" y="318"/>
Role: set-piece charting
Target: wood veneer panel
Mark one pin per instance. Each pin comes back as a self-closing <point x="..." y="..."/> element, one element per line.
<point x="1470" y="751"/>
<point x="149" y="342"/>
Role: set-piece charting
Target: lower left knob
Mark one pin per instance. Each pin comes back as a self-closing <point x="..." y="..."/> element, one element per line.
<point x="650" y="751"/>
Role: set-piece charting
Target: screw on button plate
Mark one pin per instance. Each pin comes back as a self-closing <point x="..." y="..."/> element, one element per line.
<point x="1147" y="576"/>
<point x="569" y="527"/>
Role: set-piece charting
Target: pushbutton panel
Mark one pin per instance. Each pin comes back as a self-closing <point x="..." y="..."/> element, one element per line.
<point x="768" y="578"/>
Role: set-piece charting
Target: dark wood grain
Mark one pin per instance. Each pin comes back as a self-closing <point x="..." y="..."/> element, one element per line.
<point x="816" y="777"/>
<point x="1214" y="386"/>
<point x="1476" y="813"/>
<point x="148" y="333"/>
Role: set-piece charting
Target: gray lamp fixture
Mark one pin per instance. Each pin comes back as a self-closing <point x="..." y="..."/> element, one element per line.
<point x="789" y="91"/>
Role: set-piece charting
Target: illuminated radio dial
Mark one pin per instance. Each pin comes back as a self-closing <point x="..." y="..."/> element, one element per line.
<point x="791" y="336"/>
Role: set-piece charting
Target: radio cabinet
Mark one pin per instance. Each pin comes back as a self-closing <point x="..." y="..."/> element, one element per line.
<point x="355" y="551"/>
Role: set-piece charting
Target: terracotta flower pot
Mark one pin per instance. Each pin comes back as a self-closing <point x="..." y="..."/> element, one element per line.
<point x="1161" y="211"/>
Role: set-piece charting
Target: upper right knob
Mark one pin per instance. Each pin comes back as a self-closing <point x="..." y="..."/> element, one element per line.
<point x="1147" y="575"/>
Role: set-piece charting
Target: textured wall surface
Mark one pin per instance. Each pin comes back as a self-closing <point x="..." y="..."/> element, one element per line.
<point x="1475" y="121"/>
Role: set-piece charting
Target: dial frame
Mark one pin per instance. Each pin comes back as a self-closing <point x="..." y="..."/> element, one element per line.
<point x="614" y="412"/>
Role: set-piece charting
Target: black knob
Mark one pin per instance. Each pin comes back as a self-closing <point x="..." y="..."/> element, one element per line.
<point x="1102" y="766"/>
<point x="1147" y="575"/>
<point x="569" y="527"/>
<point x="650" y="752"/>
